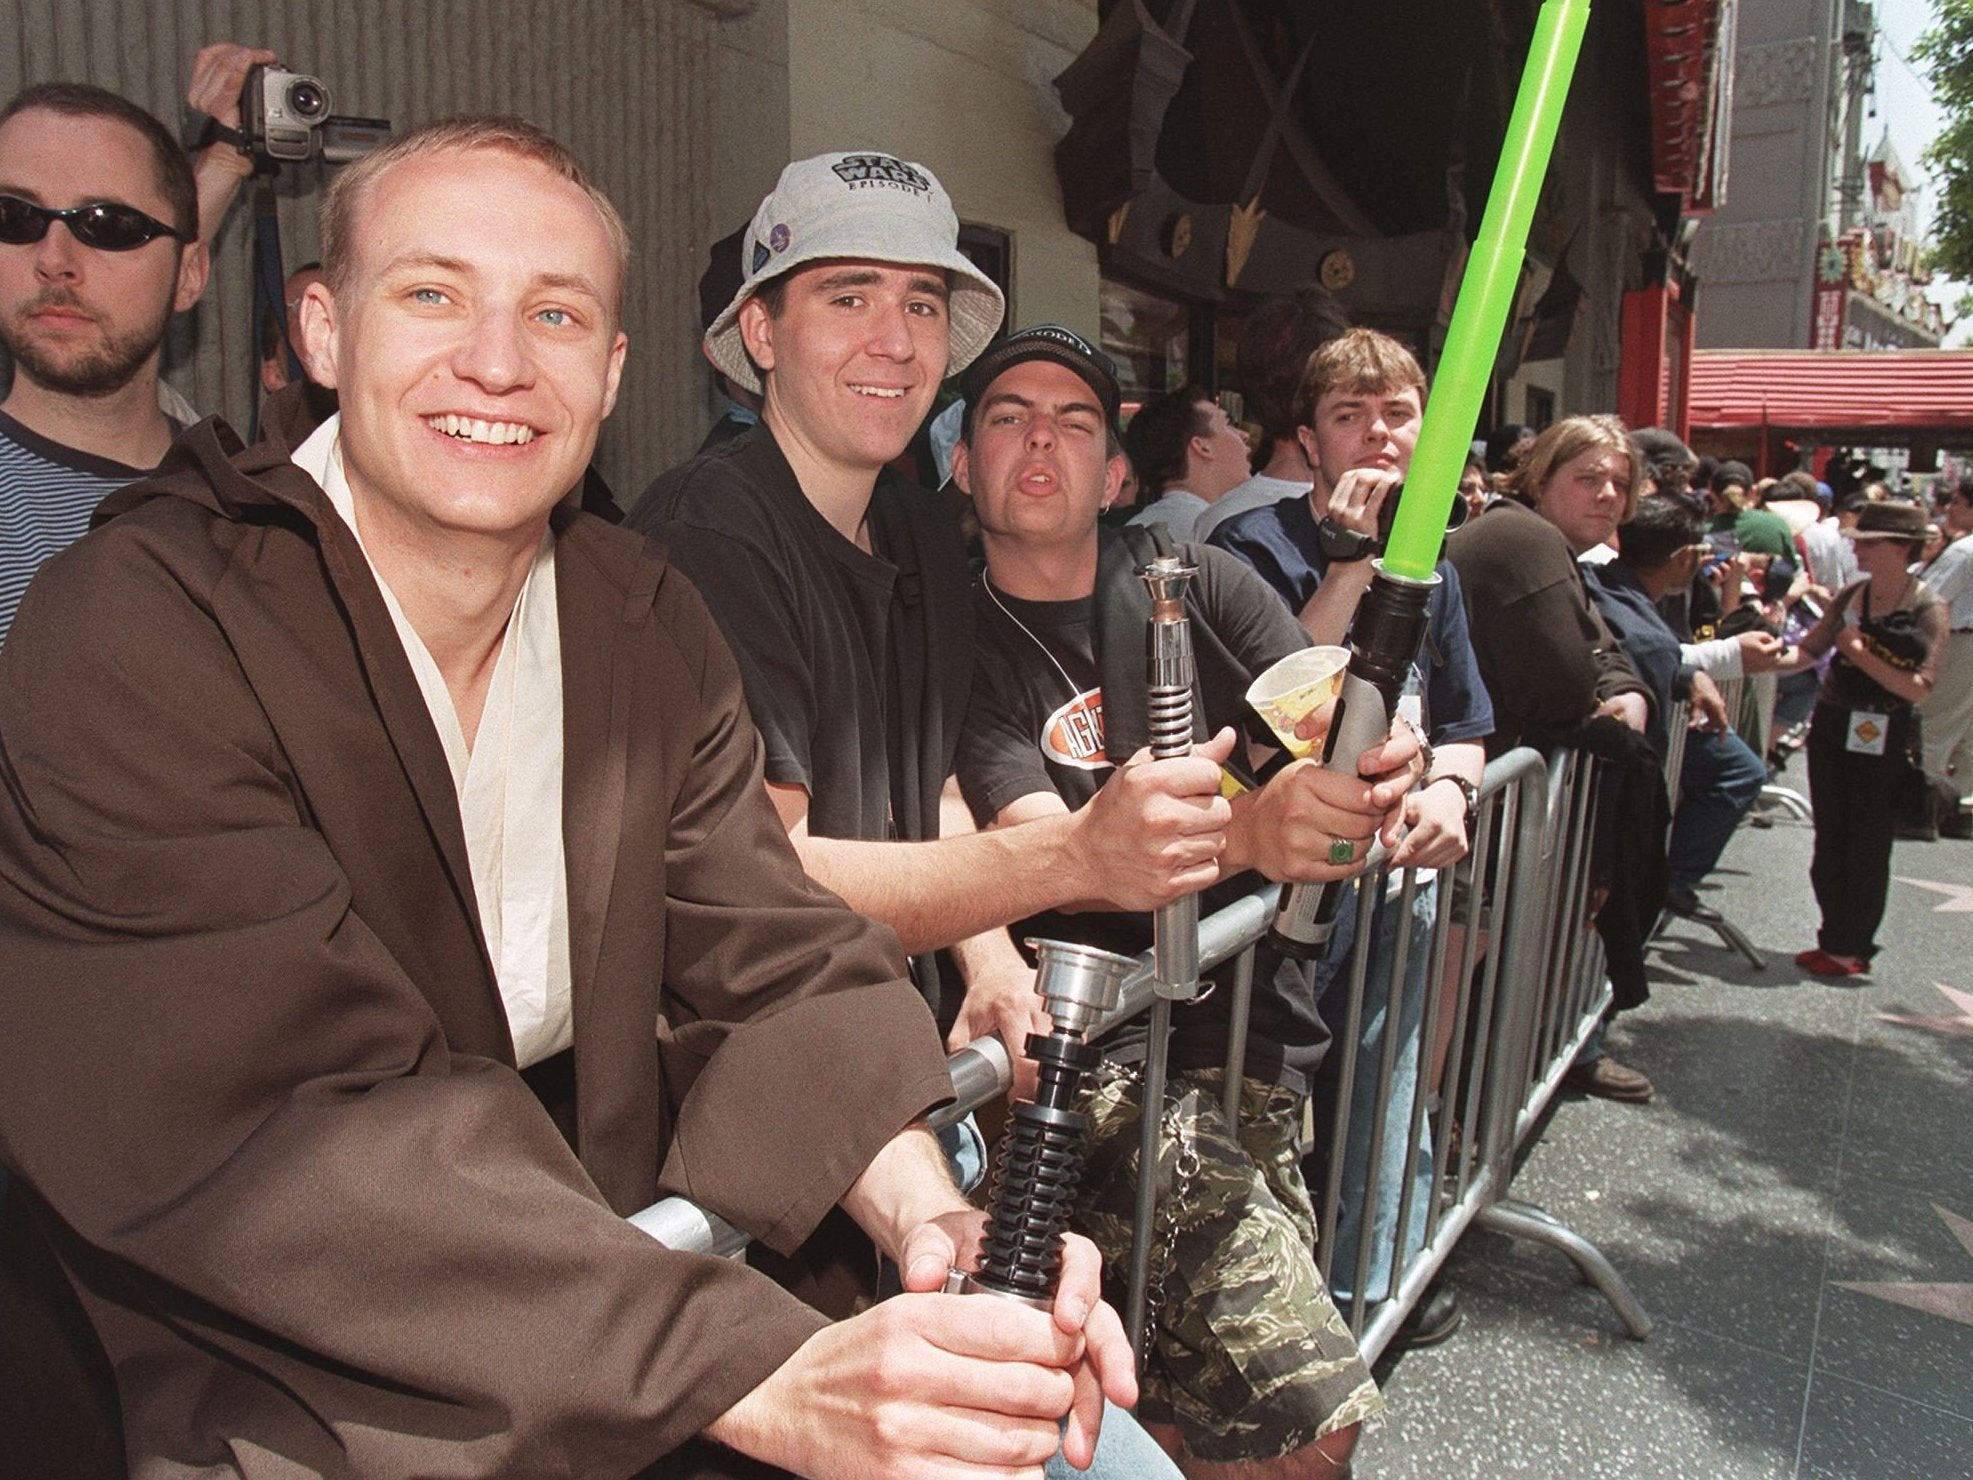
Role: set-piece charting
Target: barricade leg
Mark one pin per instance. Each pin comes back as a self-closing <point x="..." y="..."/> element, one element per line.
<point x="1526" y="1221"/>
<point x="1791" y="802"/>
<point x="1729" y="934"/>
<point x="1553" y="994"/>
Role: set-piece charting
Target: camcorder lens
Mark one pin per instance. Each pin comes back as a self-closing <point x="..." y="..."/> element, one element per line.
<point x="305" y="99"/>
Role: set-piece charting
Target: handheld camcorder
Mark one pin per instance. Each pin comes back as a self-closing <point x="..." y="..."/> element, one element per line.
<point x="285" y="119"/>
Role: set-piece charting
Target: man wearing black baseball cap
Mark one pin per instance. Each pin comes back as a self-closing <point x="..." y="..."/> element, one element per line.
<point x="1239" y="1282"/>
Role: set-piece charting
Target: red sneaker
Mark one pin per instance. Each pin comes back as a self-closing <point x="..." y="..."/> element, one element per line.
<point x="1827" y="963"/>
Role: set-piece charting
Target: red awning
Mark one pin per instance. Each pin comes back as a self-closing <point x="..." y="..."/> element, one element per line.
<point x="1844" y="395"/>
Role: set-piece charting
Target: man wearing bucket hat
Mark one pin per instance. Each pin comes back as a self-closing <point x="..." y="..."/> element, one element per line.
<point x="1250" y="1368"/>
<point x="842" y="588"/>
<point x="842" y="591"/>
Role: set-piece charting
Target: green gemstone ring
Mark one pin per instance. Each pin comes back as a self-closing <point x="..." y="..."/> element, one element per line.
<point x="1342" y="850"/>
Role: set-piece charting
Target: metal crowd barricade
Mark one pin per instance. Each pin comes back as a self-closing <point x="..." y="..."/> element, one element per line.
<point x="1762" y="690"/>
<point x="1512" y="985"/>
<point x="1733" y="694"/>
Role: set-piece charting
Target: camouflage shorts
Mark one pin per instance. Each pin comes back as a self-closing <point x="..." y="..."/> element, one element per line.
<point x="1248" y="1356"/>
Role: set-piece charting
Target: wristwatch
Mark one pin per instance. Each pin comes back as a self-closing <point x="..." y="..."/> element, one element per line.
<point x="1466" y="789"/>
<point x="1341" y="544"/>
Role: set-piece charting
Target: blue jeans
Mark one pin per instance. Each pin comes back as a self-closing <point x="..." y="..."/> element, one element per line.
<point x="1123" y="1452"/>
<point x="1720" y="780"/>
<point x="1123" y="1449"/>
<point x="1351" y="1209"/>
<point x="1794" y="698"/>
<point x="965" y="1152"/>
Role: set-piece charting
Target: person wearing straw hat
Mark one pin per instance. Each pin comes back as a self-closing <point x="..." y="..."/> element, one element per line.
<point x="1888" y="631"/>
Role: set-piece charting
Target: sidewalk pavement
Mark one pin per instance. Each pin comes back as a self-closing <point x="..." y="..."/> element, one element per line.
<point x="1795" y="1211"/>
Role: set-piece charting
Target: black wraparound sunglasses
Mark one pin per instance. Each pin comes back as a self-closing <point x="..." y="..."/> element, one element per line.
<point x="104" y="224"/>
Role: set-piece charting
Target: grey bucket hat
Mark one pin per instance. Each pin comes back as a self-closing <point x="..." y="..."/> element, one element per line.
<point x="867" y="206"/>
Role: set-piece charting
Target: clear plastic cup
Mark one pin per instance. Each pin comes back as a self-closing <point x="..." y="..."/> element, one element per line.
<point x="1301" y="682"/>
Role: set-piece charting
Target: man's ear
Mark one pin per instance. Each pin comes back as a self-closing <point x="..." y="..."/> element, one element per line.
<point x="194" y="266"/>
<point x="962" y="467"/>
<point x="618" y="349"/>
<point x="1113" y="479"/>
<point x="757" y="332"/>
<point x="315" y="333"/>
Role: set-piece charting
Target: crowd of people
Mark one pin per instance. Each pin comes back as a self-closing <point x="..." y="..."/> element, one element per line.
<point x="412" y="864"/>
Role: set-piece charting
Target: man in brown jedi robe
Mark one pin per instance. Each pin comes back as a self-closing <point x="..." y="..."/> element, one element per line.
<point x="390" y="903"/>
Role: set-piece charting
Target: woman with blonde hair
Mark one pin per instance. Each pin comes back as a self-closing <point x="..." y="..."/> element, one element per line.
<point x="1555" y="671"/>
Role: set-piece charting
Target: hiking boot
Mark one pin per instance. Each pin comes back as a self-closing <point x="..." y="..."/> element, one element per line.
<point x="1606" y="1079"/>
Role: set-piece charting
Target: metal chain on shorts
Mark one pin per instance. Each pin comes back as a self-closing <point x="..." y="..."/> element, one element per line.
<point x="1185" y="1175"/>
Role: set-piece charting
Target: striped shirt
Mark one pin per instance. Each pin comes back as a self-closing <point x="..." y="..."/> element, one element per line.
<point x="47" y="493"/>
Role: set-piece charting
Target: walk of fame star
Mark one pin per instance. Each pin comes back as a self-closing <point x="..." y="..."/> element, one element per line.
<point x="1953" y="1302"/>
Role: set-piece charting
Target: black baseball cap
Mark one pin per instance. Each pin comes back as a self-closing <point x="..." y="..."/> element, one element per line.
<point x="1044" y="342"/>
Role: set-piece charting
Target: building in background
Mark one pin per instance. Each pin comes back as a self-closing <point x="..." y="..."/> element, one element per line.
<point x="1818" y="247"/>
<point x="1225" y="150"/>
<point x="1871" y="277"/>
<point x="1142" y="170"/>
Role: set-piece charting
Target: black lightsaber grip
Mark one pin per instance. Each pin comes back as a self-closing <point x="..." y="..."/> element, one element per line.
<point x="1039" y="1167"/>
<point x="1384" y="641"/>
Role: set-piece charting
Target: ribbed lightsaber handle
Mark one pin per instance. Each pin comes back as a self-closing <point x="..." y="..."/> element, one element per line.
<point x="1039" y="1168"/>
<point x="1175" y="927"/>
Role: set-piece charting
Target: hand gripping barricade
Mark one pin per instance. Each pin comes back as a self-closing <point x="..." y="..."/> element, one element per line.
<point x="1504" y="981"/>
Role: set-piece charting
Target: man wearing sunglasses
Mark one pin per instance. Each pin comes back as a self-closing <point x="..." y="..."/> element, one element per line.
<point x="98" y="249"/>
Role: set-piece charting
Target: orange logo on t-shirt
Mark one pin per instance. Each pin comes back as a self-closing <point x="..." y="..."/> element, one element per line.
<point x="1073" y="734"/>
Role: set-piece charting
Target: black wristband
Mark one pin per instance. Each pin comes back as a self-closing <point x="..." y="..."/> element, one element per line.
<point x="216" y="132"/>
<point x="1342" y="545"/>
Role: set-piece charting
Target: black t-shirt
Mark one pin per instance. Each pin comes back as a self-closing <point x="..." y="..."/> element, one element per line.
<point x="1036" y="725"/>
<point x="856" y="663"/>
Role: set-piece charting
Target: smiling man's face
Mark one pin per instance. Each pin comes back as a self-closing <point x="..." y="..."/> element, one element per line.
<point x="852" y="358"/>
<point x="474" y="346"/>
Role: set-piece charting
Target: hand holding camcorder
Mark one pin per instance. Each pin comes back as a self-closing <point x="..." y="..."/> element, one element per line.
<point x="285" y="119"/>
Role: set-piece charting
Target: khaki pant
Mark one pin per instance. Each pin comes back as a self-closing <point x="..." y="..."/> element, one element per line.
<point x="1946" y="716"/>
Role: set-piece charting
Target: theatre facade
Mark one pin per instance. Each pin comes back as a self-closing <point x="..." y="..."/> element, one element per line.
<point x="1144" y="170"/>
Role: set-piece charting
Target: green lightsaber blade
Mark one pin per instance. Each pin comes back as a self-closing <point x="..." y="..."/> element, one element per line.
<point x="1486" y="292"/>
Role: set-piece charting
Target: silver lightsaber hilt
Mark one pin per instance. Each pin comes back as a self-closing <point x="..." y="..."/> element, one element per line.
<point x="1175" y="927"/>
<point x="1041" y="1151"/>
<point x="1169" y="675"/>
